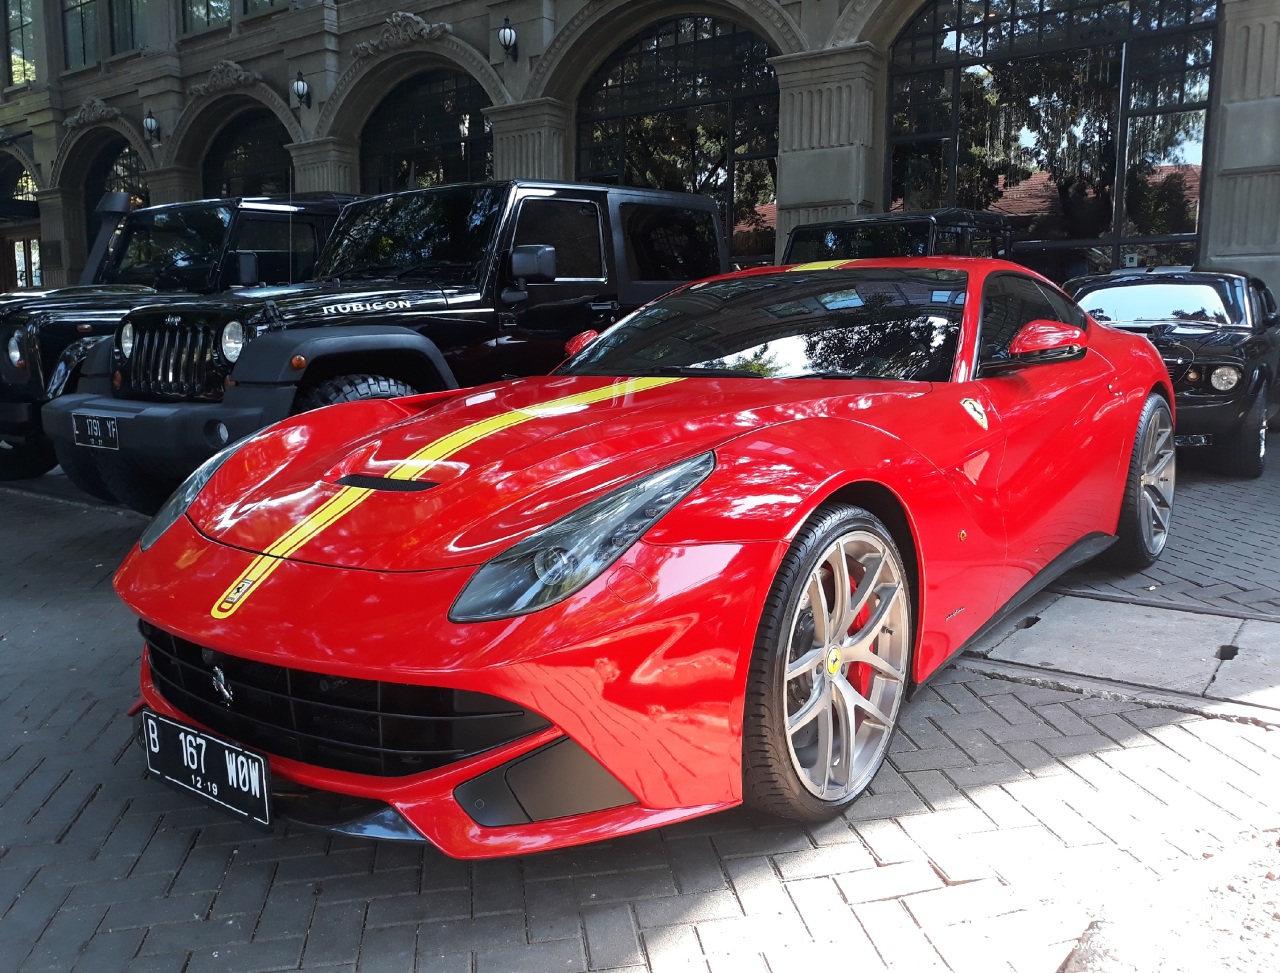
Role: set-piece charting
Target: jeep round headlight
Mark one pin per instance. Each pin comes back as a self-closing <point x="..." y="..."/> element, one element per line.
<point x="15" y="348"/>
<point x="232" y="340"/>
<point x="1224" y="378"/>
<point x="126" y="340"/>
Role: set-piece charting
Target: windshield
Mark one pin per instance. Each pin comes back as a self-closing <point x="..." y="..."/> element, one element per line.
<point x="1199" y="303"/>
<point x="442" y="234"/>
<point x="168" y="249"/>
<point x="873" y="323"/>
<point x="857" y="241"/>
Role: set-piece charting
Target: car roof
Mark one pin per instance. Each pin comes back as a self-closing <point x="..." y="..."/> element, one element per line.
<point x="1163" y="275"/>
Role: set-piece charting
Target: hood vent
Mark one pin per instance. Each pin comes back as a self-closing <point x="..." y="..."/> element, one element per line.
<point x="385" y="483"/>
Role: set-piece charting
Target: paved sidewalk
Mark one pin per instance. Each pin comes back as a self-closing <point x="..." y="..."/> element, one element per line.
<point x="1223" y="556"/>
<point x="1009" y="817"/>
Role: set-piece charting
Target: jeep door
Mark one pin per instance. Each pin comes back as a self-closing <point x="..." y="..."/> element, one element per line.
<point x="584" y="294"/>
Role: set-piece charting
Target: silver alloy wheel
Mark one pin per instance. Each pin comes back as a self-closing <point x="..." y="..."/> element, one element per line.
<point x="1159" y="474"/>
<point x="846" y="669"/>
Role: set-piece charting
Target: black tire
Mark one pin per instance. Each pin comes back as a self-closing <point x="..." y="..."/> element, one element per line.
<point x="794" y="667"/>
<point x="81" y="469"/>
<point x="351" y="388"/>
<point x="25" y="461"/>
<point x="1244" y="454"/>
<point x="137" y="488"/>
<point x="1147" y="506"/>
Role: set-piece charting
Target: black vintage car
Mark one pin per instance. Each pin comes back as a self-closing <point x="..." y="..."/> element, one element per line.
<point x="1219" y="336"/>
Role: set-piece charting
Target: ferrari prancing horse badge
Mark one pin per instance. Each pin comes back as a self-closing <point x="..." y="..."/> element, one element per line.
<point x="974" y="408"/>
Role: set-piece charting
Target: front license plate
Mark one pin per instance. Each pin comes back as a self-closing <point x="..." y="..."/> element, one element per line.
<point x="221" y="772"/>
<point x="100" y="432"/>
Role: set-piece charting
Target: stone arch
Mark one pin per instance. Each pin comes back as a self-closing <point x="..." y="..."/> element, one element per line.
<point x="27" y="162"/>
<point x="371" y="77"/>
<point x="599" y="28"/>
<point x="81" y="146"/>
<point x="875" y="22"/>
<point x="207" y="115"/>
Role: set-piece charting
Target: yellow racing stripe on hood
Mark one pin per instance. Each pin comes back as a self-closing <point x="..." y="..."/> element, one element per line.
<point x="348" y="498"/>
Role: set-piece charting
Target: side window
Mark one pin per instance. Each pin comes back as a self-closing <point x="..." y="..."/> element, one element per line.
<point x="981" y="246"/>
<point x="573" y="227"/>
<point x="1008" y="303"/>
<point x="1064" y="309"/>
<point x="667" y="243"/>
<point x="286" y="250"/>
<point x="947" y="243"/>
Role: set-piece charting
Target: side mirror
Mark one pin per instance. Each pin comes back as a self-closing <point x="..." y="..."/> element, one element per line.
<point x="1040" y="342"/>
<point x="533" y="264"/>
<point x="247" y="272"/>
<point x="580" y="341"/>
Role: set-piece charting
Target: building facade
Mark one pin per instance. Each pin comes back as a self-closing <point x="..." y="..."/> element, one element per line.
<point x="1110" y="132"/>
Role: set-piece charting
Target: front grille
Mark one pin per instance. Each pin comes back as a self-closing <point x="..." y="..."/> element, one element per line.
<point x="383" y="729"/>
<point x="174" y="362"/>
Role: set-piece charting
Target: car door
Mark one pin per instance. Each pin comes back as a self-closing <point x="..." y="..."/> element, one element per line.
<point x="1266" y="324"/>
<point x="1061" y="455"/>
<point x="584" y="294"/>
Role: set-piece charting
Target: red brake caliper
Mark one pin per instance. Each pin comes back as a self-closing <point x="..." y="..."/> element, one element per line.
<point x="860" y="672"/>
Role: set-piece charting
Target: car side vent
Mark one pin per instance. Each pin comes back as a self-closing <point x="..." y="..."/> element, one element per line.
<point x="385" y="483"/>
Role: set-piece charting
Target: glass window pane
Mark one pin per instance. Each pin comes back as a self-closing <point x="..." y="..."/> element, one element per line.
<point x="1162" y="174"/>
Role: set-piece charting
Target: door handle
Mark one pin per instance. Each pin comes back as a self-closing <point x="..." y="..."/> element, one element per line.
<point x="604" y="306"/>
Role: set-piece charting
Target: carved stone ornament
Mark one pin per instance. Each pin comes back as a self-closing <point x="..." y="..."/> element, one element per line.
<point x="93" y="111"/>
<point x="401" y="30"/>
<point x="223" y="76"/>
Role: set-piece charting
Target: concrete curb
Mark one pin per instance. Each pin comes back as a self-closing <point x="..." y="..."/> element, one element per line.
<point x="1123" y="692"/>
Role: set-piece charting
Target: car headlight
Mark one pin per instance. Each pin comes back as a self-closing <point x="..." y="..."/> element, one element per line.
<point x="126" y="339"/>
<point x="1224" y="378"/>
<point x="566" y="556"/>
<point x="232" y="340"/>
<point x="15" y="348"/>
<point x="185" y="495"/>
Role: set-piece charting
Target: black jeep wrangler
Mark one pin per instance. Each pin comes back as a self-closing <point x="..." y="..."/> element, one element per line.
<point x="155" y="254"/>
<point x="910" y="233"/>
<point x="414" y="292"/>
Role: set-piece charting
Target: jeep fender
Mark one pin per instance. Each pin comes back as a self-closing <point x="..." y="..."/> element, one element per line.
<point x="266" y="360"/>
<point x="72" y="358"/>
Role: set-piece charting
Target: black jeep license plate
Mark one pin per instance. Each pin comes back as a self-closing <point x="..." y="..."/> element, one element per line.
<point x="221" y="772"/>
<point x="100" y="432"/>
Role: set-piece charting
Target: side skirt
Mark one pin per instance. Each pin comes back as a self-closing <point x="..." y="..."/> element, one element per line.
<point x="1085" y="549"/>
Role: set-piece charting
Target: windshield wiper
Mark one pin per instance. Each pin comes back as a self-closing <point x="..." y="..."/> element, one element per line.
<point x="695" y="371"/>
<point x="829" y="373"/>
<point x="358" y="270"/>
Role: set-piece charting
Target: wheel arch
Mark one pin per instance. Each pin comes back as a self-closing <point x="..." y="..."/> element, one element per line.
<point x="411" y="367"/>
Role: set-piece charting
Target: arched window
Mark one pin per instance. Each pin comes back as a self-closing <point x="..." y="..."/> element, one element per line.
<point x="115" y="169"/>
<point x="1083" y="122"/>
<point x="429" y="130"/>
<point x="689" y="104"/>
<point x="249" y="158"/>
<point x="19" y="227"/>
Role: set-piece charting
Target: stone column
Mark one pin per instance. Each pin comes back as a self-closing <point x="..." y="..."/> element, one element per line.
<point x="830" y="139"/>
<point x="325" y="165"/>
<point x="173" y="184"/>
<point x="1240" y="230"/>
<point x="62" y="243"/>
<point x="532" y="140"/>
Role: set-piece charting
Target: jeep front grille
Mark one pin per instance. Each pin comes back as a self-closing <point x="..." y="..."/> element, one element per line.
<point x="383" y="729"/>
<point x="171" y="362"/>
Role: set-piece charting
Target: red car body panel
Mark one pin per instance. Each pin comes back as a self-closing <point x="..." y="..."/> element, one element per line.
<point x="646" y="667"/>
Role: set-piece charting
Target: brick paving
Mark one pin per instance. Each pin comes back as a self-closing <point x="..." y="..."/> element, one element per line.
<point x="1007" y="817"/>
<point x="1223" y="554"/>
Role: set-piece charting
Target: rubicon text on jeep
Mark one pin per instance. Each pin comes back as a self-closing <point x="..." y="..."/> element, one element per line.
<point x="155" y="254"/>
<point x="415" y="291"/>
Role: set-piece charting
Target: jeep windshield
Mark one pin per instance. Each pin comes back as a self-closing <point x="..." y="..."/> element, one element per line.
<point x="858" y="241"/>
<point x="440" y="234"/>
<point x="875" y="323"/>
<point x="171" y="249"/>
